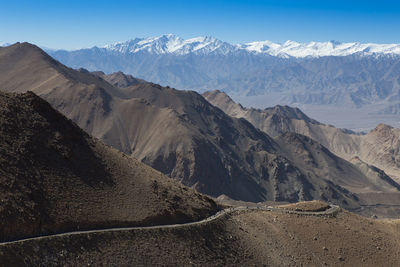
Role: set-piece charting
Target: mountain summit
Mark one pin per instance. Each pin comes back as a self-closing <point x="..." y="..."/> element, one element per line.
<point x="320" y="49"/>
<point x="173" y="44"/>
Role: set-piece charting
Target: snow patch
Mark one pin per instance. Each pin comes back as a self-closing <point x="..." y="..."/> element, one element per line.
<point x="172" y="44"/>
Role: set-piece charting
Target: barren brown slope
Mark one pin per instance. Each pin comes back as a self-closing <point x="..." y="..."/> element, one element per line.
<point x="380" y="147"/>
<point x="252" y="238"/>
<point x="54" y="178"/>
<point x="282" y="113"/>
<point x="318" y="167"/>
<point x="178" y="133"/>
<point x="377" y="194"/>
<point x="118" y="79"/>
<point x="24" y="66"/>
<point x="182" y="135"/>
<point x="373" y="172"/>
<point x="281" y="119"/>
<point x="312" y="157"/>
<point x="83" y="97"/>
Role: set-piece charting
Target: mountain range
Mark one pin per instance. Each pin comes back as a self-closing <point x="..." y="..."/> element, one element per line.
<point x="361" y="78"/>
<point x="172" y="44"/>
<point x="379" y="147"/>
<point x="185" y="137"/>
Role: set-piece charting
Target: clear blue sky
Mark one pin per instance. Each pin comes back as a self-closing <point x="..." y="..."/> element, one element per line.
<point x="76" y="24"/>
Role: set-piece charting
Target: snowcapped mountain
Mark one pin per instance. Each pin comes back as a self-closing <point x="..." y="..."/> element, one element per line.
<point x="320" y="49"/>
<point x="352" y="75"/>
<point x="172" y="44"/>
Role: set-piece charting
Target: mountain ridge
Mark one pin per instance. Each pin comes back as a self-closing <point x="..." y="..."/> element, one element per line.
<point x="173" y="44"/>
<point x="363" y="83"/>
<point x="182" y="135"/>
<point x="54" y="177"/>
<point x="379" y="147"/>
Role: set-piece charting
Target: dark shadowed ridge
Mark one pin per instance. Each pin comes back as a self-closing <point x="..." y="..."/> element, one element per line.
<point x="55" y="178"/>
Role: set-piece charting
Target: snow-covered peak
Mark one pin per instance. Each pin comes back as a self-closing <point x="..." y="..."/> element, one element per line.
<point x="170" y="43"/>
<point x="319" y="49"/>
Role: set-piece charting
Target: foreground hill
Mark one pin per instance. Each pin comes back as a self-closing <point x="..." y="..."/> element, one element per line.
<point x="55" y="178"/>
<point x="240" y="238"/>
<point x="380" y="147"/>
<point x="182" y="135"/>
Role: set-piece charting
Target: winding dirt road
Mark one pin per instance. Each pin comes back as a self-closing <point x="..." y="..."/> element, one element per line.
<point x="331" y="211"/>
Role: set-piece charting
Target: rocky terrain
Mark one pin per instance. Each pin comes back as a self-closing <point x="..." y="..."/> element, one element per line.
<point x="243" y="237"/>
<point x="379" y="147"/>
<point x="55" y="178"/>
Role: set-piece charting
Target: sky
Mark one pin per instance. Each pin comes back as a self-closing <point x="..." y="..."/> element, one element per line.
<point x="77" y="24"/>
